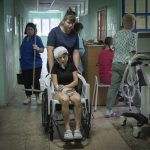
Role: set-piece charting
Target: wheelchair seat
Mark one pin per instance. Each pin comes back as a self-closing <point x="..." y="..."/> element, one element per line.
<point x="50" y="105"/>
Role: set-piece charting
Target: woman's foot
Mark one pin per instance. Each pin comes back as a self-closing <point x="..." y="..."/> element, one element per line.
<point x="110" y="113"/>
<point x="77" y="134"/>
<point x="38" y="99"/>
<point x="68" y="135"/>
<point x="27" y="101"/>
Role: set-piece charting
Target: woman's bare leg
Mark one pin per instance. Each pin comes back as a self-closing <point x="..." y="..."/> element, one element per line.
<point x="64" y="100"/>
<point x="76" y="99"/>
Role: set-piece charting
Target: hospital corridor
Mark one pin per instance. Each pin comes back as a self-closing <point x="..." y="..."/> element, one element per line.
<point x="21" y="127"/>
<point x="75" y="74"/>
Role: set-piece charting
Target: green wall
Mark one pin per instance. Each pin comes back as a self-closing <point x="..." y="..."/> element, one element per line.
<point x="90" y="21"/>
<point x="1" y="52"/>
<point x="9" y="47"/>
<point x="9" y="61"/>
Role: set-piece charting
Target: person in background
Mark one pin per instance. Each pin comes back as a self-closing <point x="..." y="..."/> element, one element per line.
<point x="100" y="42"/>
<point x="65" y="79"/>
<point x="78" y="27"/>
<point x="124" y="42"/>
<point x="31" y="43"/>
<point x="64" y="35"/>
<point x="105" y="60"/>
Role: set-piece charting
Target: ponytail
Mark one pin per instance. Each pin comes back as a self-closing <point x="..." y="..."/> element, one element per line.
<point x="70" y="15"/>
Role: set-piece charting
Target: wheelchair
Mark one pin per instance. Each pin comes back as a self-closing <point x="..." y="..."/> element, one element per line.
<point x="50" y="106"/>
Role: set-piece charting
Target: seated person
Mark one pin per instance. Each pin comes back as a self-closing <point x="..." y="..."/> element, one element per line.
<point x="65" y="79"/>
<point x="105" y="59"/>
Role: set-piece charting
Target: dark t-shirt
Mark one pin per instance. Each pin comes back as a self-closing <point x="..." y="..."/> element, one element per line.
<point x="58" y="38"/>
<point x="64" y="76"/>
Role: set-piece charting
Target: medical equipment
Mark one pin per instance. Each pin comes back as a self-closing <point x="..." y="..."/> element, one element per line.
<point x="142" y="56"/>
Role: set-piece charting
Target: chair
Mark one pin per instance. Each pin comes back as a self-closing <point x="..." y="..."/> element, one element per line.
<point x="97" y="85"/>
<point x="49" y="108"/>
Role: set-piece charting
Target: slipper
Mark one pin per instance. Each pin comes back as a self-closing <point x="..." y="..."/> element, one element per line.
<point x="77" y="134"/>
<point x="110" y="113"/>
<point x="68" y="135"/>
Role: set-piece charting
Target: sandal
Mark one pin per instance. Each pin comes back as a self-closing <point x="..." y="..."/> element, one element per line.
<point x="77" y="134"/>
<point x="68" y="135"/>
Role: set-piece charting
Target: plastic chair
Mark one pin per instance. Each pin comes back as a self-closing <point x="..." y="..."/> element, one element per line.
<point x="97" y="85"/>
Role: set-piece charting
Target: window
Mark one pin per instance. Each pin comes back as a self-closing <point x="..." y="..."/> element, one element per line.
<point x="54" y="22"/>
<point x="37" y="22"/>
<point x="45" y="25"/>
<point x="141" y="10"/>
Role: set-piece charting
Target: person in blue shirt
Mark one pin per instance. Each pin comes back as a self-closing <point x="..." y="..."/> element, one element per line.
<point x="64" y="35"/>
<point x="78" y="27"/>
<point x="31" y="43"/>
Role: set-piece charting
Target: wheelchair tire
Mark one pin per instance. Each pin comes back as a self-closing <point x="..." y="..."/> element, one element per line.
<point x="51" y="137"/>
<point x="51" y="124"/>
<point x="43" y="111"/>
<point x="45" y="116"/>
<point x="86" y="123"/>
<point x="87" y="126"/>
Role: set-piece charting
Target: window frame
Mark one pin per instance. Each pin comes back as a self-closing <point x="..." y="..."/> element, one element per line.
<point x="41" y="25"/>
<point x="145" y="14"/>
<point x="102" y="24"/>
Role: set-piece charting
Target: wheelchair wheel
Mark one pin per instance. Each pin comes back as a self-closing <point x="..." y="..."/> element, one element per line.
<point x="51" y="134"/>
<point x="86" y="122"/>
<point x="51" y="124"/>
<point x="43" y="111"/>
<point x="86" y="125"/>
<point x="45" y="116"/>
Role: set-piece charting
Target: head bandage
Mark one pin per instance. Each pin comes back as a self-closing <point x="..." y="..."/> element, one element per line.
<point x="58" y="51"/>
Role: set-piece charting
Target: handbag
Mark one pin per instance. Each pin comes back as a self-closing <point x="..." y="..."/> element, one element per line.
<point x="20" y="78"/>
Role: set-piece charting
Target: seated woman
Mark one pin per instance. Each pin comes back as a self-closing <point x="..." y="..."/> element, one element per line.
<point x="105" y="60"/>
<point x="65" y="79"/>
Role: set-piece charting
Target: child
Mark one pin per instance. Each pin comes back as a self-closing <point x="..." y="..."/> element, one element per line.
<point x="105" y="62"/>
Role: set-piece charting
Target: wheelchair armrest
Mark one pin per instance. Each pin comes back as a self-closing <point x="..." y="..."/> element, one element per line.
<point x="85" y="88"/>
<point x="47" y="80"/>
<point x="81" y="78"/>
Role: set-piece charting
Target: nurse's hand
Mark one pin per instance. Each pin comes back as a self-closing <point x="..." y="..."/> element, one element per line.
<point x="35" y="47"/>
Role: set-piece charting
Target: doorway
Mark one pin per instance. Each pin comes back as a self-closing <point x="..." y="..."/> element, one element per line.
<point x="101" y="24"/>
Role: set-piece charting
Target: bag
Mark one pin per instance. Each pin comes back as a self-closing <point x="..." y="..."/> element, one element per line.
<point x="20" y="78"/>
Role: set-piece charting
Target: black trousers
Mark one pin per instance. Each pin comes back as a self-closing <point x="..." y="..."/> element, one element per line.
<point x="28" y="80"/>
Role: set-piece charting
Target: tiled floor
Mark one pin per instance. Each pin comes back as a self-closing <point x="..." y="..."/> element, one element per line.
<point x="21" y="129"/>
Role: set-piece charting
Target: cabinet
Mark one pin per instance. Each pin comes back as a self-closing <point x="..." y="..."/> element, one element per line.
<point x="90" y="60"/>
